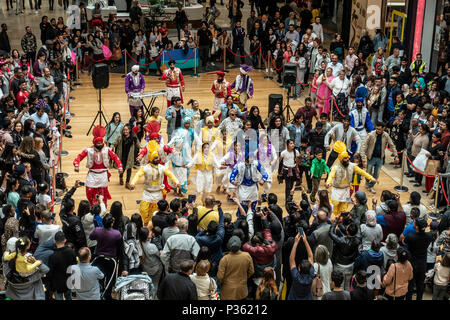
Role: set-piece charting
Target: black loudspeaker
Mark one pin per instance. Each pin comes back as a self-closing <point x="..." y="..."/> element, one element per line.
<point x="275" y="99"/>
<point x="290" y="74"/>
<point x="100" y="76"/>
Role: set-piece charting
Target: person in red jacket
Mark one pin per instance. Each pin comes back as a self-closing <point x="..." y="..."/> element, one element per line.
<point x="98" y="157"/>
<point x="262" y="250"/>
<point x="23" y="94"/>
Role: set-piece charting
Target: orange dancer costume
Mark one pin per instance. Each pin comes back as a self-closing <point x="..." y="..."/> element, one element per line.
<point x="174" y="82"/>
<point x="98" y="157"/>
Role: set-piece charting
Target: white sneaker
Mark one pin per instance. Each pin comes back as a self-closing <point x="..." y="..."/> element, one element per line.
<point x="68" y="115"/>
<point x="267" y="70"/>
<point x="372" y="190"/>
<point x="271" y="70"/>
<point x="213" y="64"/>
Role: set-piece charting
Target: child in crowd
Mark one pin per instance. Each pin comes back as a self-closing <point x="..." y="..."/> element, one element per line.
<point x="42" y="197"/>
<point x="357" y="160"/>
<point x="25" y="264"/>
<point x="156" y="237"/>
<point x="318" y="168"/>
<point x="305" y="163"/>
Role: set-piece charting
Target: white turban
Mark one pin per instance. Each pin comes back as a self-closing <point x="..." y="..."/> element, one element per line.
<point x="135" y="68"/>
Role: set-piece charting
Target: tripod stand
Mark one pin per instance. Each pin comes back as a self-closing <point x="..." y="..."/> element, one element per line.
<point x="100" y="113"/>
<point x="287" y="107"/>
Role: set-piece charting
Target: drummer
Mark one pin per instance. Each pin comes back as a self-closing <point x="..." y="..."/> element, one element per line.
<point x="134" y="83"/>
<point x="221" y="89"/>
<point x="225" y="108"/>
<point x="174" y="82"/>
<point x="243" y="85"/>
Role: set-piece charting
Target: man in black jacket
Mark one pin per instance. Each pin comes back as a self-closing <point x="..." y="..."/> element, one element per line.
<point x="238" y="40"/>
<point x="136" y="13"/>
<point x="345" y="250"/>
<point x="159" y="219"/>
<point x="59" y="261"/>
<point x="178" y="286"/>
<point x="4" y="40"/>
<point x="181" y="19"/>
<point x="418" y="243"/>
<point x="317" y="138"/>
<point x="72" y="226"/>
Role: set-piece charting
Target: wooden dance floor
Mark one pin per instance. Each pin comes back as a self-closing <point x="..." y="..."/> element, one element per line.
<point x="114" y="99"/>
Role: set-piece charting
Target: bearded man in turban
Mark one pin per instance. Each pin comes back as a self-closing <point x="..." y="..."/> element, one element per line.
<point x="341" y="177"/>
<point x="154" y="186"/>
<point x="98" y="159"/>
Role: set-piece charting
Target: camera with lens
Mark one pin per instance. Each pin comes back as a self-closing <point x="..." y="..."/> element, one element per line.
<point x="264" y="197"/>
<point x="291" y="207"/>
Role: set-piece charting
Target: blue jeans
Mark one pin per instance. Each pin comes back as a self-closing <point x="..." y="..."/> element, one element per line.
<point x="373" y="168"/>
<point x="376" y="115"/>
<point x="63" y="296"/>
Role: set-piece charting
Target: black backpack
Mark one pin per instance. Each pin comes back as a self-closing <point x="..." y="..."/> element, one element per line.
<point x="60" y="182"/>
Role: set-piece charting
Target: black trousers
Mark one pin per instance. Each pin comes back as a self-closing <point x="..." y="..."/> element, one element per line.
<point x="9" y="4"/>
<point x="306" y="171"/>
<point x="239" y="50"/>
<point x="419" y="280"/>
<point x="127" y="179"/>
<point x="203" y="54"/>
<point x="288" y="184"/>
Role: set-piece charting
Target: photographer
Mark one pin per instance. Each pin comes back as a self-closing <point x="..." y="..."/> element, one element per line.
<point x="72" y="226"/>
<point x="262" y="249"/>
<point x="345" y="249"/>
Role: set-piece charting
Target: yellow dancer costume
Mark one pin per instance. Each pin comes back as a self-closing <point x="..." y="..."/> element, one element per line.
<point x="153" y="185"/>
<point x="340" y="179"/>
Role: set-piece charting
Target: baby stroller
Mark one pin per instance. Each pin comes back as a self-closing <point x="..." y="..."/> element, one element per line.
<point x="135" y="287"/>
<point x="108" y="266"/>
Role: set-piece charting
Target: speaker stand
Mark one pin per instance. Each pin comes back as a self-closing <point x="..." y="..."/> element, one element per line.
<point x="100" y="115"/>
<point x="288" y="108"/>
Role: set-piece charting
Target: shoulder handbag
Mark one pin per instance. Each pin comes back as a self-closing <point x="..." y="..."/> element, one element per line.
<point x="213" y="295"/>
<point x="317" y="286"/>
<point x="432" y="167"/>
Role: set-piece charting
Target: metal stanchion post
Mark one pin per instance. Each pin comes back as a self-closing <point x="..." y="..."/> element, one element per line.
<point x="224" y="57"/>
<point x="259" y="58"/>
<point x="401" y="187"/>
<point x="195" y="75"/>
<point x="268" y="66"/>
<point x="126" y="66"/>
